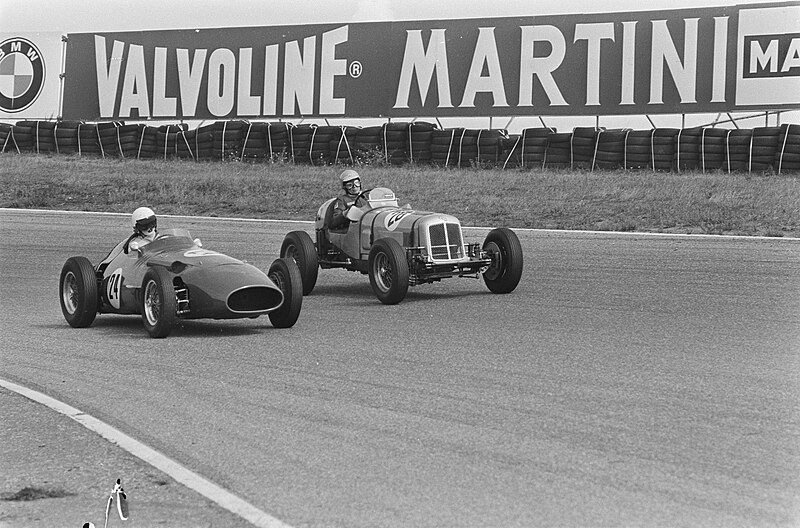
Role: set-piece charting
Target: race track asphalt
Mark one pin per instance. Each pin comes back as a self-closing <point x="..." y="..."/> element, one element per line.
<point x="630" y="380"/>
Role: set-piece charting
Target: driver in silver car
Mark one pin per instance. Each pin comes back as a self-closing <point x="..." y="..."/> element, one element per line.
<point x="351" y="185"/>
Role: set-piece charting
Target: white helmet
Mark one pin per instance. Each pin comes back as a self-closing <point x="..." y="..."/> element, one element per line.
<point x="349" y="175"/>
<point x="145" y="222"/>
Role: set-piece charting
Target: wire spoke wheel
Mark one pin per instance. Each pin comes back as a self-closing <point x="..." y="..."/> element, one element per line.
<point x="383" y="272"/>
<point x="159" y="304"/>
<point x="69" y="293"/>
<point x="77" y="289"/>
<point x="388" y="271"/>
<point x="152" y="303"/>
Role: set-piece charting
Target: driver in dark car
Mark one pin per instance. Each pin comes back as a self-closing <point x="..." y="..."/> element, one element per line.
<point x="351" y="185"/>
<point x="145" y="225"/>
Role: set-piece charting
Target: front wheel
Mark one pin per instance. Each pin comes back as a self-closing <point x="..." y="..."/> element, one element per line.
<point x="503" y="246"/>
<point x="298" y="245"/>
<point x="285" y="273"/>
<point x="159" y="304"/>
<point x="388" y="271"/>
<point x="78" y="288"/>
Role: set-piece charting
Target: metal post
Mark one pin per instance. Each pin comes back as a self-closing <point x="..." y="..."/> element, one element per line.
<point x="62" y="76"/>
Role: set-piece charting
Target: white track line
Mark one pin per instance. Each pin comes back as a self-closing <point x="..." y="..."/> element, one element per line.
<point x="466" y="228"/>
<point x="192" y="480"/>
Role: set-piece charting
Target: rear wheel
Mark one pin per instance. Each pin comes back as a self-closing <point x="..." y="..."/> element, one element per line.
<point x="78" y="289"/>
<point x="285" y="273"/>
<point x="159" y="304"/>
<point x="388" y="271"/>
<point x="298" y="246"/>
<point x="504" y="248"/>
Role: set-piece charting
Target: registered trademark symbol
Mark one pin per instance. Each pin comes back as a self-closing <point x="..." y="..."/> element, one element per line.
<point x="356" y="69"/>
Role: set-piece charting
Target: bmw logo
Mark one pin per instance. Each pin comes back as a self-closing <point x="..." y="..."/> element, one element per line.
<point x="21" y="74"/>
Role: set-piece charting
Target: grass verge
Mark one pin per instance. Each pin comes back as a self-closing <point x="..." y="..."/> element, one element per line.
<point x="645" y="201"/>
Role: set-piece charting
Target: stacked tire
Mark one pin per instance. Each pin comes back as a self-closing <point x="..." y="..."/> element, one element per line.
<point x="203" y="143"/>
<point x="737" y="147"/>
<point x="663" y="148"/>
<point x="490" y="146"/>
<point x="227" y="139"/>
<point x="532" y="147"/>
<point x="148" y="143"/>
<point x="637" y="146"/>
<point x="35" y="136"/>
<point x="763" y="146"/>
<point x="23" y="136"/>
<point x="301" y="141"/>
<point x="254" y="143"/>
<point x="468" y="148"/>
<point x="559" y="151"/>
<point x="88" y="140"/>
<point x="45" y="136"/>
<point x="584" y="141"/>
<point x="687" y="149"/>
<point x="167" y="137"/>
<point x="787" y="156"/>
<point x="712" y="148"/>
<point x="65" y="134"/>
<point x="759" y="149"/>
<point x="109" y="143"/>
<point x="443" y="143"/>
<point x="129" y="140"/>
<point x="278" y="141"/>
<point x="319" y="149"/>
<point x="394" y="138"/>
<point x="609" y="149"/>
<point x="420" y="134"/>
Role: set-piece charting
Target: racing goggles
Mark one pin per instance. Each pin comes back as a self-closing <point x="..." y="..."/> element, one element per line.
<point x="352" y="184"/>
<point x="146" y="225"/>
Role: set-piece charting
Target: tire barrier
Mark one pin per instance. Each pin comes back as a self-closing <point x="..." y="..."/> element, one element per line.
<point x="760" y="149"/>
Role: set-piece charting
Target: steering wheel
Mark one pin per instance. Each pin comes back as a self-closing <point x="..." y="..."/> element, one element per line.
<point x="363" y="197"/>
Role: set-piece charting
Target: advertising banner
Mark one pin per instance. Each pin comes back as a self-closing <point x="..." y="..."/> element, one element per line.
<point x="723" y="59"/>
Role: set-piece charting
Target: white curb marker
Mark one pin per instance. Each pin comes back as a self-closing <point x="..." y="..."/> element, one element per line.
<point x="191" y="480"/>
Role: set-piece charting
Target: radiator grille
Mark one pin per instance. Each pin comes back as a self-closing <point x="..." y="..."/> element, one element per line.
<point x="445" y="240"/>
